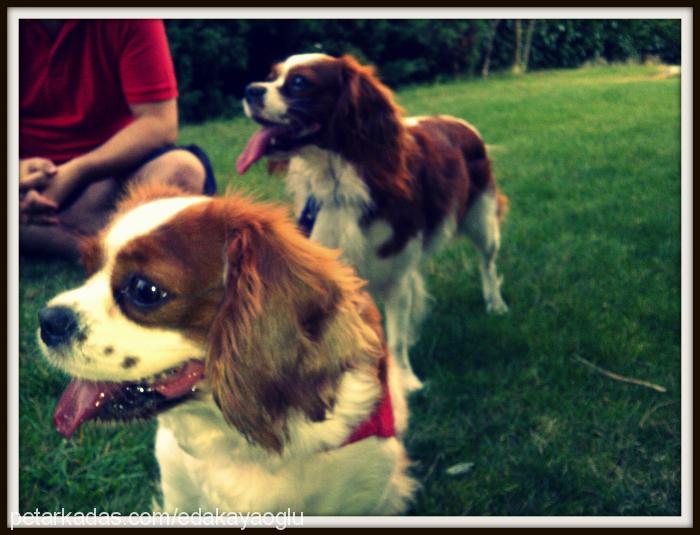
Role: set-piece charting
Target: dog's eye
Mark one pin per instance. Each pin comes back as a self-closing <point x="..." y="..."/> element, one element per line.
<point x="144" y="293"/>
<point x="298" y="83"/>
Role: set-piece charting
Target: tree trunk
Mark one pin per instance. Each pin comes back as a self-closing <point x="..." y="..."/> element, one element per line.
<point x="528" y="43"/>
<point x="489" y="49"/>
<point x="518" y="47"/>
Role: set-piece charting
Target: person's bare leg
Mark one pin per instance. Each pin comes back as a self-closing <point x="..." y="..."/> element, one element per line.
<point x="178" y="168"/>
<point x="92" y="209"/>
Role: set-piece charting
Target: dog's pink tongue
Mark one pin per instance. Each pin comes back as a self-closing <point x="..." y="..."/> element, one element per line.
<point x="81" y="401"/>
<point x="255" y="149"/>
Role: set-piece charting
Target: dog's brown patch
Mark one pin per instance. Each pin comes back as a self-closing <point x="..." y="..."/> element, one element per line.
<point x="91" y="254"/>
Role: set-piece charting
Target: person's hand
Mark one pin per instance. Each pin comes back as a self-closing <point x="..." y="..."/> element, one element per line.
<point x="35" y="208"/>
<point x="44" y="187"/>
<point x="67" y="179"/>
<point x="35" y="173"/>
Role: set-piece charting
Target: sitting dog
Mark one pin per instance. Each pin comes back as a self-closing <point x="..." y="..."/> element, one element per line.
<point x="386" y="190"/>
<point x="262" y="356"/>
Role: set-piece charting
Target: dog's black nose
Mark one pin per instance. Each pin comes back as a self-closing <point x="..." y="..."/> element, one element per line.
<point x="254" y="92"/>
<point x="58" y="325"/>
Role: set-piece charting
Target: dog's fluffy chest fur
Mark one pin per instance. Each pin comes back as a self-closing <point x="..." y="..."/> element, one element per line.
<point x="311" y="484"/>
<point x="206" y="464"/>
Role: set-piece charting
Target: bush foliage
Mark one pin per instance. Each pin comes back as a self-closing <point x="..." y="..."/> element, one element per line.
<point x="215" y="59"/>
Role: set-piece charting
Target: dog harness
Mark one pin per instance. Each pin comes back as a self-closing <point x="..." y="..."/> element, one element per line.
<point x="307" y="219"/>
<point x="381" y="422"/>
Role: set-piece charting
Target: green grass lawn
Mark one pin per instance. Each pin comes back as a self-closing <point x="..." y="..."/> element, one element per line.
<point x="591" y="260"/>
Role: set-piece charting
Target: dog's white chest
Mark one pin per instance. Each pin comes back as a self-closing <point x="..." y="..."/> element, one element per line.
<point x="332" y="180"/>
<point x="206" y="466"/>
<point x="338" y="228"/>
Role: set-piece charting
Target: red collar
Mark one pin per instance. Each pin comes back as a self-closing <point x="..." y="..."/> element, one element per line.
<point x="381" y="422"/>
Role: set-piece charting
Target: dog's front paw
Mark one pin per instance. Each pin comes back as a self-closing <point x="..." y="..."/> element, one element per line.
<point x="496" y="307"/>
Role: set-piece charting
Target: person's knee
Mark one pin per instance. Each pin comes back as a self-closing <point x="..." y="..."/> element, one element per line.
<point x="188" y="171"/>
<point x="178" y="168"/>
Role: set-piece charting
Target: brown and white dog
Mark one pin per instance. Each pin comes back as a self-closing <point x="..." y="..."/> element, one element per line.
<point x="385" y="189"/>
<point x="257" y="348"/>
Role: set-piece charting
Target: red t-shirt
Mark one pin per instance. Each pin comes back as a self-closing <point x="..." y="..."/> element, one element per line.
<point x="75" y="90"/>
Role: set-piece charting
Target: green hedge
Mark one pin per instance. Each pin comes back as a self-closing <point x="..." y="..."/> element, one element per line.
<point x="215" y="59"/>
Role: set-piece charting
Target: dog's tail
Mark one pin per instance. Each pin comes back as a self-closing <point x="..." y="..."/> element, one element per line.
<point x="478" y="156"/>
<point x="503" y="205"/>
<point x="482" y="178"/>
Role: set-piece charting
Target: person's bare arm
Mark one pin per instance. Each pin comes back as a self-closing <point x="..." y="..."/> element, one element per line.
<point x="154" y="126"/>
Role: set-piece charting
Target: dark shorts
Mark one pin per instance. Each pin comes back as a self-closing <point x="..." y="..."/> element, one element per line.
<point x="209" y="179"/>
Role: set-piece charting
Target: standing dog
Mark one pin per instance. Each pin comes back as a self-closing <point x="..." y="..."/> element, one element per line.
<point x="386" y="190"/>
<point x="259" y="351"/>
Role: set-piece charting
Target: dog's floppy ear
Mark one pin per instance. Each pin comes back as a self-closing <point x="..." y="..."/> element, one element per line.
<point x="366" y="125"/>
<point x="267" y="354"/>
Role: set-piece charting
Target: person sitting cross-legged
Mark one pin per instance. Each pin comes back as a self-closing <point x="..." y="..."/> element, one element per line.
<point x="98" y="111"/>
